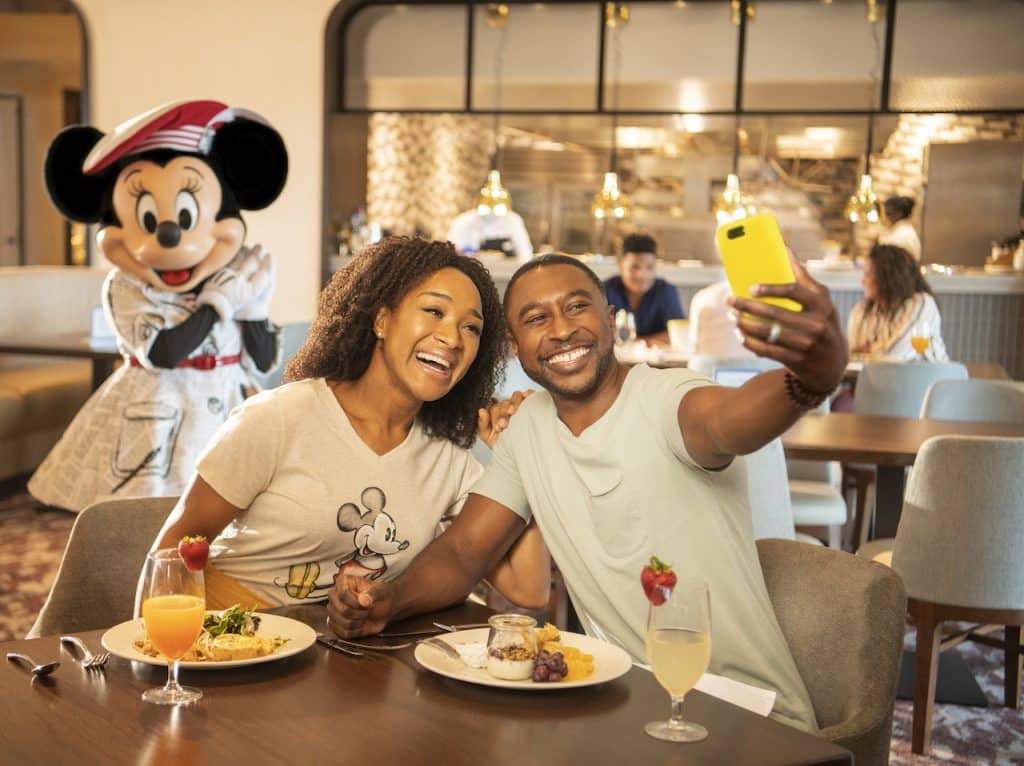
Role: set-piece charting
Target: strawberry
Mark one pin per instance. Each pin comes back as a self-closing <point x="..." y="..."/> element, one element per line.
<point x="194" y="551"/>
<point x="658" y="580"/>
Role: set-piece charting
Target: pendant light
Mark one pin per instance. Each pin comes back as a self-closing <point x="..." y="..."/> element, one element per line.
<point x="732" y="204"/>
<point x="494" y="198"/>
<point x="862" y="206"/>
<point x="611" y="202"/>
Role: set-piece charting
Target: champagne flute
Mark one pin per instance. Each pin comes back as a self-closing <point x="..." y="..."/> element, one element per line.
<point x="920" y="338"/>
<point x="679" y="650"/>
<point x="625" y="327"/>
<point x="173" y="607"/>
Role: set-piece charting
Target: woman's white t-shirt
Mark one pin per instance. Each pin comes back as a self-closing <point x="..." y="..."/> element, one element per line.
<point x="317" y="498"/>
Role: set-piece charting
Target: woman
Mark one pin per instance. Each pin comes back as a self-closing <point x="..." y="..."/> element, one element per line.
<point x="897" y="307"/>
<point x="901" y="232"/>
<point x="356" y="465"/>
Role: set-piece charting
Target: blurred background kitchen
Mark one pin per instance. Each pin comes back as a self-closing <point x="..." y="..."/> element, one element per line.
<point x="601" y="119"/>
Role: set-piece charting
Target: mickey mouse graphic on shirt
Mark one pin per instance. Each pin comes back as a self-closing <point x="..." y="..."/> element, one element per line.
<point x="374" y="537"/>
<point x="188" y="301"/>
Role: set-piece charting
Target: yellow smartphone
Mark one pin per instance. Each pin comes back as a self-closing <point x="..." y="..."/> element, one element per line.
<point x="753" y="252"/>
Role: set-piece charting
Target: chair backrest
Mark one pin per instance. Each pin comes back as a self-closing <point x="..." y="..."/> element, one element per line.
<point x="962" y="528"/>
<point x="897" y="389"/>
<point x="843" y="619"/>
<point x="990" y="401"/>
<point x="707" y="365"/>
<point x="293" y="335"/>
<point x="771" y="509"/>
<point x="95" y="584"/>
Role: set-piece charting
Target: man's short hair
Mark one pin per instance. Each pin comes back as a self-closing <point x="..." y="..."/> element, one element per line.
<point x="639" y="243"/>
<point x="551" y="259"/>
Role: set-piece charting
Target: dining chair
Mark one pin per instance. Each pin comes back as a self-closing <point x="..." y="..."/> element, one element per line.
<point x="814" y="492"/>
<point x="293" y="335"/>
<point x="843" y="619"/>
<point x="95" y="583"/>
<point x="983" y="401"/>
<point x="771" y="508"/>
<point x="958" y="551"/>
<point x="892" y="389"/>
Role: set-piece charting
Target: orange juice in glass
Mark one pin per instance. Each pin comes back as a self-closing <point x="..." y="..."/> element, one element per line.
<point x="173" y="601"/>
<point x="920" y="338"/>
<point x="173" y="623"/>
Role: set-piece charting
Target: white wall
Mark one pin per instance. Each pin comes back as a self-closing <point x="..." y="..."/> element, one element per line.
<point x="267" y="56"/>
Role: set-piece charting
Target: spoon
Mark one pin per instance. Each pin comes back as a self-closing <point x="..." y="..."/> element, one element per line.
<point x="37" y="670"/>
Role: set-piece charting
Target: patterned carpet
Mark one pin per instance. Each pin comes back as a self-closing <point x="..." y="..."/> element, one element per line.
<point x="33" y="539"/>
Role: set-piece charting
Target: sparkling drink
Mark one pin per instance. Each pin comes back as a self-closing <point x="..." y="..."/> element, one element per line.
<point x="679" y="657"/>
<point x="173" y="622"/>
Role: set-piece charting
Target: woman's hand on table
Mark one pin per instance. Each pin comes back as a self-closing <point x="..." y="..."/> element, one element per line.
<point x="358" y="607"/>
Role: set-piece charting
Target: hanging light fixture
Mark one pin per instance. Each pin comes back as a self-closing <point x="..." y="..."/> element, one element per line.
<point x="736" y="10"/>
<point x="862" y="206"/>
<point x="611" y="202"/>
<point x="732" y="204"/>
<point x="494" y="198"/>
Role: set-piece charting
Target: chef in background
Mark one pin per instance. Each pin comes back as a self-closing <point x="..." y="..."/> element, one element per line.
<point x="900" y="231"/>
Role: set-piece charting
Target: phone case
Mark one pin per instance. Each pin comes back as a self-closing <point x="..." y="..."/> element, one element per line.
<point x="753" y="252"/>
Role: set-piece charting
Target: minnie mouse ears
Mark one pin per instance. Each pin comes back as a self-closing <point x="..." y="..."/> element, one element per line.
<point x="247" y="152"/>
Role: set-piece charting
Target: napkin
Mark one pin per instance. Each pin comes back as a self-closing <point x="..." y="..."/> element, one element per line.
<point x="742" y="695"/>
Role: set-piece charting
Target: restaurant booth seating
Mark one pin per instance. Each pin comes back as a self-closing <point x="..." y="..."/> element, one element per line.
<point x="39" y="396"/>
<point x="95" y="583"/>
<point x="958" y="551"/>
<point x="843" y="619"/>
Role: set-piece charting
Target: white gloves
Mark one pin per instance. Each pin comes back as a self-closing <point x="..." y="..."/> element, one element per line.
<point x="242" y="289"/>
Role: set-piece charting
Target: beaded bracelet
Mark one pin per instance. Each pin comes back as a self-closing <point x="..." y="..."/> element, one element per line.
<point x="801" y="395"/>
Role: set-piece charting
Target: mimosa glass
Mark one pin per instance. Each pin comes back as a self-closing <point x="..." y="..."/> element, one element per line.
<point x="173" y="608"/>
<point x="679" y="651"/>
<point x="920" y="339"/>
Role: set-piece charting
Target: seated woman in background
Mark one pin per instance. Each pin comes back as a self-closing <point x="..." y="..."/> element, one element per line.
<point x="898" y="305"/>
<point x="356" y="465"/>
<point x="652" y="301"/>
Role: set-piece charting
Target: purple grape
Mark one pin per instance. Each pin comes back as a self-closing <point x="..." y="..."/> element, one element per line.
<point x="541" y="673"/>
<point x="554" y="677"/>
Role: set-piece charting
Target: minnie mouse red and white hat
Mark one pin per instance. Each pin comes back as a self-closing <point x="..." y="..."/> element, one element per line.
<point x="185" y="126"/>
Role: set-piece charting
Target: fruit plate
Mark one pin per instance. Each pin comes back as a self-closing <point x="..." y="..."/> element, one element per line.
<point x="610" y="662"/>
<point x="120" y="640"/>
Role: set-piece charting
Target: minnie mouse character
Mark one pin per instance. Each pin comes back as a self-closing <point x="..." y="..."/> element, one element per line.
<point x="188" y="302"/>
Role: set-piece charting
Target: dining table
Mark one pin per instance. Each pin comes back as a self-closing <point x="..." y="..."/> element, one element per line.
<point x="322" y="706"/>
<point x="890" y="444"/>
<point x="103" y="354"/>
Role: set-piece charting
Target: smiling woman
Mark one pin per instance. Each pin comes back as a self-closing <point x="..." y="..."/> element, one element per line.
<point x="360" y="461"/>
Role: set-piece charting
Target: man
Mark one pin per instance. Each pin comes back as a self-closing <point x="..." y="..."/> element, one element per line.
<point x="652" y="301"/>
<point x="620" y="464"/>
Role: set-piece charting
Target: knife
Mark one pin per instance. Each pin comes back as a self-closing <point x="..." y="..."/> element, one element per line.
<point x="438" y="628"/>
<point x="327" y="641"/>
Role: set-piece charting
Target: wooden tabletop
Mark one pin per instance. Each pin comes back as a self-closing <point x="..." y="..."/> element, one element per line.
<point x="878" y="440"/>
<point x="324" y="707"/>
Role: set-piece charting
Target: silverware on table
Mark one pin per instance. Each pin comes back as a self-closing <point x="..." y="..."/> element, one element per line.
<point x="89" y="660"/>
<point x="373" y="647"/>
<point x="36" y="668"/>
<point x="335" y="643"/>
<point x="454" y="628"/>
<point x="443" y="645"/>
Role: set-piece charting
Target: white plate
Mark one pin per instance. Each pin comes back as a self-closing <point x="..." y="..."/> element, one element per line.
<point x="119" y="640"/>
<point x="610" y="662"/>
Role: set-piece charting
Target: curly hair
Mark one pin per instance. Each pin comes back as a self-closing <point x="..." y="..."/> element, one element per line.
<point x="897" y="276"/>
<point x="341" y="340"/>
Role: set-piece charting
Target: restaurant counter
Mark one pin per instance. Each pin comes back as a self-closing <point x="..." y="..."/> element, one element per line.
<point x="982" y="313"/>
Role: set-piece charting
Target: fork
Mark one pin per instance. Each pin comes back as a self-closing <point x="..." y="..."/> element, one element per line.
<point x="89" y="660"/>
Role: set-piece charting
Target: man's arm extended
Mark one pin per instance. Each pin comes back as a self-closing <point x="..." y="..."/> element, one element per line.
<point x="718" y="423"/>
<point x="442" y="574"/>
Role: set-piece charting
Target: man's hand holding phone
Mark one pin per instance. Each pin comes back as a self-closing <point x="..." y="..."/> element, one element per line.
<point x="809" y="342"/>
